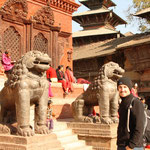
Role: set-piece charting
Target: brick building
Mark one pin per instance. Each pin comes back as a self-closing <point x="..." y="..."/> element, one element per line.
<point x="44" y="25"/>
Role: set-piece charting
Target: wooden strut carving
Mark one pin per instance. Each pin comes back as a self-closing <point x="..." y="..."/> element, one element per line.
<point x="18" y="8"/>
<point x="67" y="6"/>
<point x="44" y="16"/>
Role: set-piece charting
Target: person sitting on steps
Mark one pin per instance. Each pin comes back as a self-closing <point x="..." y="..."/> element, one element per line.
<point x="61" y="79"/>
<point x="7" y="63"/>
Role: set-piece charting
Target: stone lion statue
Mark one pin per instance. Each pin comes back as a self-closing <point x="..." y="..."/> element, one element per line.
<point x="102" y="92"/>
<point x="26" y="85"/>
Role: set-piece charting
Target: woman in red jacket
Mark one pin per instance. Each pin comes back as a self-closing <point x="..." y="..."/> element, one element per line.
<point x="69" y="78"/>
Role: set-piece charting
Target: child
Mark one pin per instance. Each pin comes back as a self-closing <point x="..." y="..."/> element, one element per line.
<point x="50" y="115"/>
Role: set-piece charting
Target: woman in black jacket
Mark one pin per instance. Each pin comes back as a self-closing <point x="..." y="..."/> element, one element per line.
<point x="131" y="126"/>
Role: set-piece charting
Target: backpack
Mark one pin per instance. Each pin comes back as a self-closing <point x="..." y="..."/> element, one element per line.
<point x="146" y="131"/>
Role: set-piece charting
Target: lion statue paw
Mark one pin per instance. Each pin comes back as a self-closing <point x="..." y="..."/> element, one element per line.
<point x="106" y="120"/>
<point x="42" y="129"/>
<point x="25" y="131"/>
<point x="88" y="119"/>
<point x="96" y="119"/>
<point x="115" y="119"/>
<point x="4" y="129"/>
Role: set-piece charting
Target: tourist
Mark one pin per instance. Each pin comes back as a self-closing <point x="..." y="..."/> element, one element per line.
<point x="134" y="90"/>
<point x="61" y="79"/>
<point x="7" y="63"/>
<point x="52" y="77"/>
<point x="69" y="78"/>
<point x="51" y="74"/>
<point x="50" y="115"/>
<point x="148" y="101"/>
<point x="130" y="130"/>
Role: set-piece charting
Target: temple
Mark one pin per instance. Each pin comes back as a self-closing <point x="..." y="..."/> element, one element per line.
<point x="130" y="51"/>
<point x="98" y="22"/>
<point x="44" y="25"/>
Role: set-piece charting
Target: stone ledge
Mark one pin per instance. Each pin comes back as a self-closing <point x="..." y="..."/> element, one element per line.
<point x="57" y="84"/>
<point x="100" y="136"/>
<point x="37" y="142"/>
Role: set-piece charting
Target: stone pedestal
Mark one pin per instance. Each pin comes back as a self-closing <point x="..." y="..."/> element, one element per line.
<point x="62" y="104"/>
<point x="100" y="136"/>
<point x="37" y="142"/>
<point x="3" y="78"/>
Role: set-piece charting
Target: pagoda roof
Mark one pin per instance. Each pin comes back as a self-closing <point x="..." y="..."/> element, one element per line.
<point x="94" y="32"/>
<point x="79" y="16"/>
<point x="145" y="13"/>
<point x="139" y="39"/>
<point x="87" y="3"/>
<point x="92" y="50"/>
<point x="109" y="47"/>
<point x="91" y="12"/>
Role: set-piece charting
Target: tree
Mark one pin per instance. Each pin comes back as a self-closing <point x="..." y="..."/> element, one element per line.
<point x="144" y="25"/>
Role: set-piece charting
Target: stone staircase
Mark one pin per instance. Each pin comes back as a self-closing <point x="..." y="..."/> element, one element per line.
<point x="68" y="140"/>
<point x="61" y="138"/>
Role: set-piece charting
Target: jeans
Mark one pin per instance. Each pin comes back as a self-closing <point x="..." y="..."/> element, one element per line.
<point x="50" y="124"/>
<point x="136" y="148"/>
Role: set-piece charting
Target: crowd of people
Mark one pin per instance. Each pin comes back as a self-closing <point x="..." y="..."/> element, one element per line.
<point x="65" y="78"/>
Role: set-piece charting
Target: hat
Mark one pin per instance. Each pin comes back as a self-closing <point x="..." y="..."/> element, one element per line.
<point x="50" y="102"/>
<point x="125" y="81"/>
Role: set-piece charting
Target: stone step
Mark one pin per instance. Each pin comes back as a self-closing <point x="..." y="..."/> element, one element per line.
<point x="100" y="130"/>
<point x="85" y="148"/>
<point x="91" y="132"/>
<point x="96" y="126"/>
<point x="41" y="145"/>
<point x="44" y="145"/>
<point x="60" y="126"/>
<point x="61" y="138"/>
<point x="63" y="133"/>
<point x="68" y="139"/>
<point x="56" y="149"/>
<point x="74" y="145"/>
<point x="10" y="146"/>
<point x="26" y="140"/>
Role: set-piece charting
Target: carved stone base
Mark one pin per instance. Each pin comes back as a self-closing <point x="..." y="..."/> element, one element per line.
<point x="100" y="136"/>
<point x="37" y="142"/>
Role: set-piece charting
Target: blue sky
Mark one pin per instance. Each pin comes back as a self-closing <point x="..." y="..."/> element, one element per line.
<point x="120" y="10"/>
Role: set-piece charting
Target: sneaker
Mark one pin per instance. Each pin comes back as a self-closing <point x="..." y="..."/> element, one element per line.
<point x="66" y="93"/>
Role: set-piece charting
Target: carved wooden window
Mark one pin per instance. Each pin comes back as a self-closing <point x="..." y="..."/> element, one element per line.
<point x="40" y="43"/>
<point x="12" y="42"/>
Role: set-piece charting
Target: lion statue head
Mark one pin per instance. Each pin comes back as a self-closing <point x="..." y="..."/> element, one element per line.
<point x="108" y="72"/>
<point x="32" y="65"/>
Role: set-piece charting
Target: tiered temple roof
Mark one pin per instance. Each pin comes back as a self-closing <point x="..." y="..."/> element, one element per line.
<point x="92" y="4"/>
<point x="96" y="22"/>
<point x="145" y="13"/>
